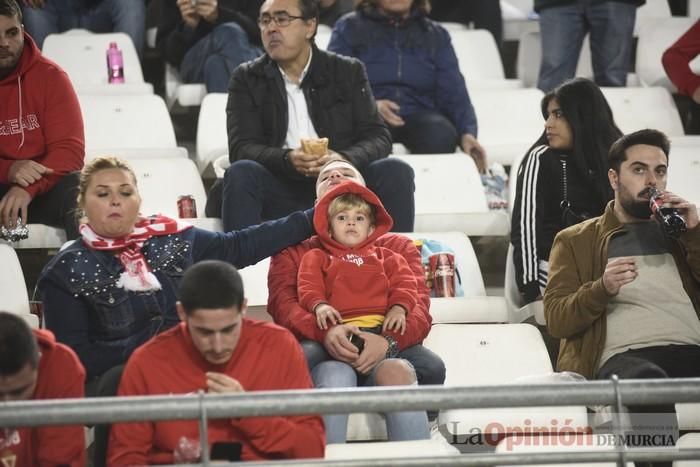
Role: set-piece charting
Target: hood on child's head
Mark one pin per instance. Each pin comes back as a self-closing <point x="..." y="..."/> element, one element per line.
<point x="382" y="222"/>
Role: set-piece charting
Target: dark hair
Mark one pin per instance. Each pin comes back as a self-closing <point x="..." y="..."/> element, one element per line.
<point x="421" y="5"/>
<point x="309" y="9"/>
<point x="211" y="284"/>
<point x="618" y="151"/>
<point x="10" y="8"/>
<point x="18" y="345"/>
<point x="593" y="130"/>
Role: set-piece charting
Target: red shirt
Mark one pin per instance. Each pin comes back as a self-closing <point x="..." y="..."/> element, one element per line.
<point x="677" y="58"/>
<point x="266" y="357"/>
<point x="60" y="375"/>
<point x="40" y="119"/>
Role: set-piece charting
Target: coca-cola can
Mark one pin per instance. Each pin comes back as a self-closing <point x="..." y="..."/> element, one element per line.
<point x="442" y="267"/>
<point x="186" y="207"/>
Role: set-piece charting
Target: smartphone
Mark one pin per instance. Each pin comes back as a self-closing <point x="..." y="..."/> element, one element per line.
<point x="357" y="341"/>
<point x="225" y="451"/>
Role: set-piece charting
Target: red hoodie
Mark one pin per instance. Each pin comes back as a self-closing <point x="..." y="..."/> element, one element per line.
<point x="677" y="58"/>
<point x="40" y="119"/>
<point x="357" y="281"/>
<point x="266" y="357"/>
<point x="60" y="375"/>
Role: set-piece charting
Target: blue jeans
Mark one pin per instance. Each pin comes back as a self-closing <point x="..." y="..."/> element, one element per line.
<point x="251" y="193"/>
<point x="214" y="57"/>
<point x="329" y="373"/>
<point x="563" y="29"/>
<point x="427" y="132"/>
<point x="127" y="16"/>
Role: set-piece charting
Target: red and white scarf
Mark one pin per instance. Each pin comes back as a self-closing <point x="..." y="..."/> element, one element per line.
<point x="137" y="275"/>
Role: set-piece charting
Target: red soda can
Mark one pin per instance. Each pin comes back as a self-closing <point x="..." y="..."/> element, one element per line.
<point x="442" y="266"/>
<point x="186" y="207"/>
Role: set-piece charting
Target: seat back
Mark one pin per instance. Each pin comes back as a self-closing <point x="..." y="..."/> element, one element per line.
<point x="649" y="107"/>
<point x="13" y="289"/>
<point x="477" y="54"/>
<point x="684" y="168"/>
<point x="530" y="57"/>
<point x="212" y="134"/>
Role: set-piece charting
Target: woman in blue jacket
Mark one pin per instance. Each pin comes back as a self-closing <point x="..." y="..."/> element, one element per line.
<point x="414" y="74"/>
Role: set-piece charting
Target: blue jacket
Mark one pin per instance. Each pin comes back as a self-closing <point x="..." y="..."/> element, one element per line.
<point x="411" y="62"/>
<point x="104" y="323"/>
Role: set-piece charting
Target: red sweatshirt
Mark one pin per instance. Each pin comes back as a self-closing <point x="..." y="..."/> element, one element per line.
<point x="357" y="281"/>
<point x="40" y="119"/>
<point x="60" y="375"/>
<point x="677" y="60"/>
<point x="266" y="357"/>
<point x="283" y="302"/>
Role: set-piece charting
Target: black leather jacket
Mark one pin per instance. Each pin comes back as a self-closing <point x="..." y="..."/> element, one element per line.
<point x="340" y="103"/>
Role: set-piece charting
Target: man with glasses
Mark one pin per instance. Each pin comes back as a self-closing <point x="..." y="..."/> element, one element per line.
<point x="293" y="92"/>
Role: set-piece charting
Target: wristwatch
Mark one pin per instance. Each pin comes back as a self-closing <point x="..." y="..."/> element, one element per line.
<point x="393" y="350"/>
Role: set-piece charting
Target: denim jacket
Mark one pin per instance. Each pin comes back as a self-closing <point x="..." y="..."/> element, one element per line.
<point x="104" y="323"/>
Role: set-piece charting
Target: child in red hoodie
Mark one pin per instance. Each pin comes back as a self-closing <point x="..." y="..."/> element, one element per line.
<point x="350" y="280"/>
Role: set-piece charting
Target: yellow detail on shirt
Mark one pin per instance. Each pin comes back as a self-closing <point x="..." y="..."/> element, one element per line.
<point x="366" y="321"/>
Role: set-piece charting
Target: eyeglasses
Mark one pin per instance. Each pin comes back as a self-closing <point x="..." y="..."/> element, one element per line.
<point x="281" y="19"/>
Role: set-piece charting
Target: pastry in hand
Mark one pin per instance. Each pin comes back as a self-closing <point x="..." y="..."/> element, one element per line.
<point x="315" y="146"/>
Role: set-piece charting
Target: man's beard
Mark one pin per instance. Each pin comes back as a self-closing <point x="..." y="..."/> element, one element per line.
<point x="8" y="68"/>
<point x="633" y="206"/>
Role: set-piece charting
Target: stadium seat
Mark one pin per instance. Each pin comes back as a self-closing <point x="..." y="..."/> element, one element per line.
<point x="256" y="291"/>
<point x="137" y="153"/>
<point x="684" y="168"/>
<point x="162" y="181"/>
<point x="13" y="289"/>
<point x="688" y="441"/>
<point x="212" y="135"/>
<point x="185" y="94"/>
<point x="636" y="108"/>
<point x="479" y="59"/>
<point x="126" y="122"/>
<point x="82" y="55"/>
<point x="449" y="196"/>
<point x="494" y="354"/>
<point x="524" y="444"/>
<point x="530" y="57"/>
<point x="323" y="36"/>
<point x="43" y="237"/>
<point x="654" y="38"/>
<point x="510" y="120"/>
<point x="386" y="450"/>
<point x="651" y="14"/>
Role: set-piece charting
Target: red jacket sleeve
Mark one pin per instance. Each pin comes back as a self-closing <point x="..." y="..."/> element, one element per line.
<point x="310" y="280"/>
<point x="283" y="301"/>
<point x="290" y="437"/>
<point x="63" y="445"/>
<point x="64" y="135"/>
<point x="418" y="320"/>
<point x="677" y="58"/>
<point x="131" y="443"/>
<point x="402" y="282"/>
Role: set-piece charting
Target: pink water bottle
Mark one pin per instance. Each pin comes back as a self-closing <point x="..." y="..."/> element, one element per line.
<point x="115" y="64"/>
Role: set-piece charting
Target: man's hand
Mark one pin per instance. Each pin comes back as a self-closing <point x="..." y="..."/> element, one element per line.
<point x="14" y="204"/>
<point x="26" y="172"/>
<point x="472" y="147"/>
<point x="395" y="319"/>
<point x="685" y="208"/>
<point x="338" y="345"/>
<point x="189" y="13"/>
<point x="696" y="96"/>
<point x="34" y="3"/>
<point x="389" y="110"/>
<point x="324" y="313"/>
<point x="373" y="353"/>
<point x="208" y="10"/>
<point x="618" y="272"/>
<point x="308" y="165"/>
<point x="220" y="383"/>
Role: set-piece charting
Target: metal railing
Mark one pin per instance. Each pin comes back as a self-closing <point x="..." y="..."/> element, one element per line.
<point x="377" y="399"/>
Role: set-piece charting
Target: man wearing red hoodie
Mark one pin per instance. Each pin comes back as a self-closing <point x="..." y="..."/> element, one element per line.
<point x="33" y="366"/>
<point x="42" y="143"/>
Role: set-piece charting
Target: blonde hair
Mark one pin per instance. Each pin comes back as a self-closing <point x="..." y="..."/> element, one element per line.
<point x="97" y="165"/>
<point x="352" y="201"/>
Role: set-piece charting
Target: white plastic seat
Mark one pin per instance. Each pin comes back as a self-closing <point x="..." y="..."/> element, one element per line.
<point x="559" y="443"/>
<point x="162" y="181"/>
<point x="449" y="196"/>
<point x="494" y="354"/>
<point x="688" y="441"/>
<point x="137" y="153"/>
<point x="13" y="289"/>
<point x="82" y="55"/>
<point x="220" y="165"/>
<point x="185" y="94"/>
<point x="323" y="36"/>
<point x="212" y="134"/>
<point x="647" y="107"/>
<point x="390" y="449"/>
<point x="126" y="122"/>
<point x="42" y="236"/>
<point x="651" y="14"/>
<point x="510" y="120"/>
<point x="478" y="57"/>
<point x="654" y="38"/>
<point x="255" y="286"/>
<point x="684" y="168"/>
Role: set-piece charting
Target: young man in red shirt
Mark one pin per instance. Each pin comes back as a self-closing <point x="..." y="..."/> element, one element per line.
<point x="34" y="366"/>
<point x="215" y="349"/>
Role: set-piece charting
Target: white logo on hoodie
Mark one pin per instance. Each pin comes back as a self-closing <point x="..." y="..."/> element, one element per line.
<point x="12" y="126"/>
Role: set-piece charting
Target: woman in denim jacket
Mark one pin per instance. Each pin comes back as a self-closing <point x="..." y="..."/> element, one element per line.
<point x="116" y="287"/>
